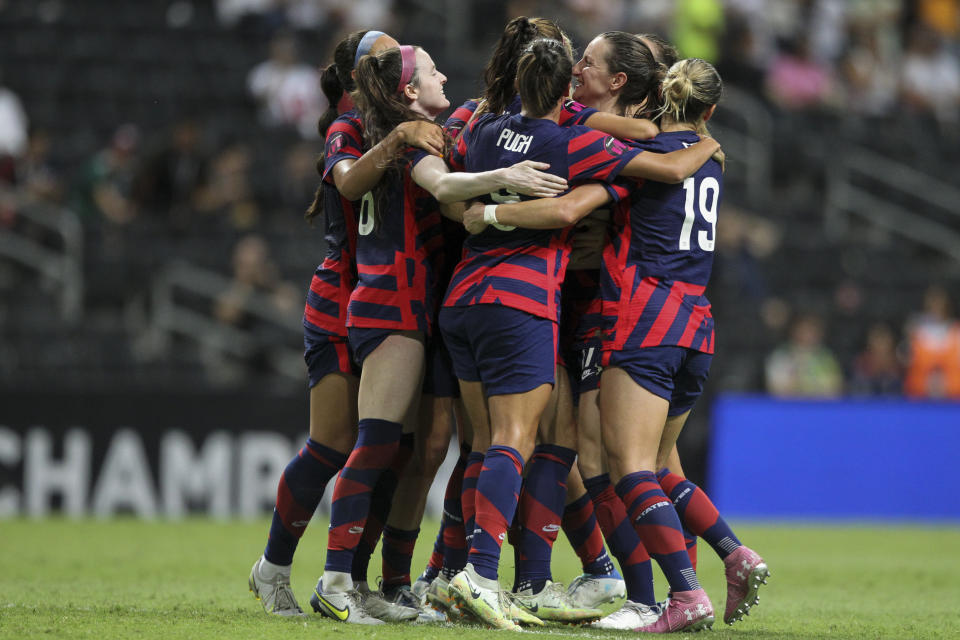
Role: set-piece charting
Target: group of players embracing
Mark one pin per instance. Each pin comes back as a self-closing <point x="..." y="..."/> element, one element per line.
<point x="532" y="272"/>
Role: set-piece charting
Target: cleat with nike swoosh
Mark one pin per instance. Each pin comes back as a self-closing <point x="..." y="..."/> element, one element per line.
<point x="553" y="603"/>
<point x="275" y="595"/>
<point x="487" y="604"/>
<point x="590" y="590"/>
<point x="342" y="606"/>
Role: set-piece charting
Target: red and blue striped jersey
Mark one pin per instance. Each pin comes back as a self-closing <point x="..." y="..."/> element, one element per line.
<point x="459" y="118"/>
<point x="657" y="266"/>
<point x="397" y="256"/>
<point x="571" y="113"/>
<point x="325" y="311"/>
<point x="524" y="268"/>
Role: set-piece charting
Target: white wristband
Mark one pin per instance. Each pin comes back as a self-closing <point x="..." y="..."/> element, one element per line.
<point x="490" y="217"/>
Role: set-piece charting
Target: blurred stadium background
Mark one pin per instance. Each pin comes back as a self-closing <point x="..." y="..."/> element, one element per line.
<point x="156" y="158"/>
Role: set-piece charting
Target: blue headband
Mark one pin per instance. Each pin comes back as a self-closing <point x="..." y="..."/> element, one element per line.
<point x="366" y="42"/>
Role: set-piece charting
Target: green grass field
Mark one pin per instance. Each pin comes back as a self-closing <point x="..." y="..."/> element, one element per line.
<point x="131" y="579"/>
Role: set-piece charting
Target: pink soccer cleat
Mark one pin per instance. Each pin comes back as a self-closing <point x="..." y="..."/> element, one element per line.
<point x="746" y="571"/>
<point x="685" y="611"/>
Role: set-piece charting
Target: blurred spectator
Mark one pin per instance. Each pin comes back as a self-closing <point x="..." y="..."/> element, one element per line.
<point x="698" y="26"/>
<point x="227" y="196"/>
<point x="738" y="64"/>
<point x="796" y="81"/>
<point x="877" y="370"/>
<point x="943" y="16"/>
<point x="933" y="340"/>
<point x="287" y="90"/>
<point x="13" y="123"/>
<point x="102" y="192"/>
<point x="744" y="241"/>
<point x="169" y="182"/>
<point x="298" y="177"/>
<point x="930" y="76"/>
<point x="231" y="12"/>
<point x="254" y="273"/>
<point x="870" y="88"/>
<point x="34" y="173"/>
<point x="266" y="16"/>
<point x="362" y="14"/>
<point x="804" y="366"/>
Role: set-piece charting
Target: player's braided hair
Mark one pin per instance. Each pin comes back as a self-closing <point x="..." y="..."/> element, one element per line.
<point x="501" y="71"/>
<point x="627" y="54"/>
<point x="334" y="80"/>
<point x="543" y="76"/>
<point x="690" y="87"/>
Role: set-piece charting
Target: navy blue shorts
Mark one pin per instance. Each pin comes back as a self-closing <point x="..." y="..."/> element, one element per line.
<point x="676" y="374"/>
<point x="584" y="369"/>
<point x="326" y="354"/>
<point x="364" y="341"/>
<point x="508" y="350"/>
<point x="440" y="380"/>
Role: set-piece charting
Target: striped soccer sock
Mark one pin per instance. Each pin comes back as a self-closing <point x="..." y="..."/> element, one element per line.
<point x="497" y="492"/>
<point x="624" y="543"/>
<point x="540" y="512"/>
<point x="698" y="514"/>
<point x="658" y="526"/>
<point x="299" y="492"/>
<point x="377" y="444"/>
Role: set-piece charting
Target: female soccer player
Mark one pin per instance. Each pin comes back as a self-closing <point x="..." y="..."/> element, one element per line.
<point x="501" y="310"/>
<point x="332" y="375"/>
<point x="658" y="341"/>
<point x="597" y="86"/>
<point x="389" y="314"/>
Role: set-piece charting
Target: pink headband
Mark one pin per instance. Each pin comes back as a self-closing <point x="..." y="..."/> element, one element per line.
<point x="409" y="57"/>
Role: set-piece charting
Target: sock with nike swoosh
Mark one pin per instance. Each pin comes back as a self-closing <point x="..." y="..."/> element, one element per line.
<point x="299" y="492"/>
<point x="580" y="526"/>
<point x="377" y="444"/>
<point x="468" y="499"/>
<point x="380" y="501"/>
<point x="497" y="491"/>
<point x="540" y="513"/>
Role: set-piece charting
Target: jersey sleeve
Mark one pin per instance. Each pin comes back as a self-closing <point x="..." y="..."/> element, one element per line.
<point x="621" y="188"/>
<point x="458" y="150"/>
<point x="413" y="155"/>
<point x="595" y="155"/>
<point x="574" y="113"/>
<point x="459" y="118"/>
<point x="344" y="142"/>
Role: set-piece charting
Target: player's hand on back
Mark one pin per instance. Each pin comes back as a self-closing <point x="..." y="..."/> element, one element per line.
<point x="530" y="179"/>
<point x="425" y="135"/>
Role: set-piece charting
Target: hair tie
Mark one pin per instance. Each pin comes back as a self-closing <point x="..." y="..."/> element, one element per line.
<point x="409" y="57"/>
<point x="366" y="43"/>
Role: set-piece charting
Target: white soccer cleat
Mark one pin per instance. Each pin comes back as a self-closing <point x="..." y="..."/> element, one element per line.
<point x="590" y="591"/>
<point x="342" y="606"/>
<point x="403" y="595"/>
<point x="631" y="616"/>
<point x="275" y="595"/>
<point x="396" y="607"/>
<point x="419" y="588"/>
<point x="488" y="604"/>
<point x="553" y="603"/>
